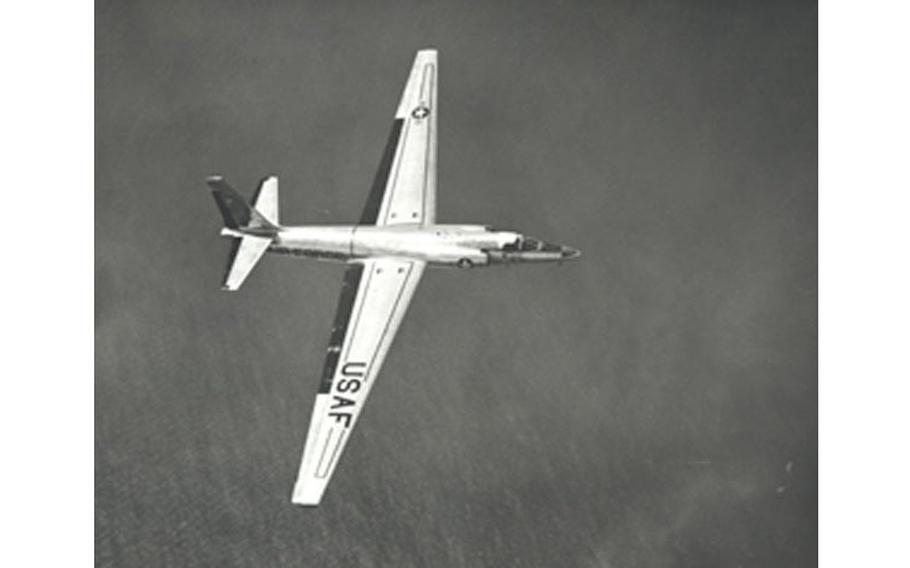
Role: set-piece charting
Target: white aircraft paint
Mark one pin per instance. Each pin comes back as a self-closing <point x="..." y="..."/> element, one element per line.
<point x="397" y="237"/>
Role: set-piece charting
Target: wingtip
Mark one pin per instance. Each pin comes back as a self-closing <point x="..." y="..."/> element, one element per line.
<point x="307" y="495"/>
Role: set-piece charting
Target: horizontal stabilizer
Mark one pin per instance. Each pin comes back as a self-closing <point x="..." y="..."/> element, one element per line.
<point x="243" y="257"/>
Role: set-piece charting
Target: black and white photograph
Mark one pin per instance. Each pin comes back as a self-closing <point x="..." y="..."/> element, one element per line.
<point x="447" y="283"/>
<point x="572" y="245"/>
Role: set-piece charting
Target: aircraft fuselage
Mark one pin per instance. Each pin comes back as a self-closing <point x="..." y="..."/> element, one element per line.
<point x="462" y="246"/>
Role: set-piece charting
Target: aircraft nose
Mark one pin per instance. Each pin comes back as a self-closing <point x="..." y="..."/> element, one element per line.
<point x="569" y="252"/>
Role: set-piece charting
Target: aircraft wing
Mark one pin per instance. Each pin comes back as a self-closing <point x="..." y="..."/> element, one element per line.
<point x="404" y="189"/>
<point x="374" y="297"/>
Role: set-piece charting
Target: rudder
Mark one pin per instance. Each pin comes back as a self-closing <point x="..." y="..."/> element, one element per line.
<point x="236" y="212"/>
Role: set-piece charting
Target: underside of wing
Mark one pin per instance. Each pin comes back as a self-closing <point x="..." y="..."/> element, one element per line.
<point x="374" y="298"/>
<point x="404" y="189"/>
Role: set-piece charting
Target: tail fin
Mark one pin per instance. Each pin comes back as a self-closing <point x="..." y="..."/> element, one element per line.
<point x="266" y="199"/>
<point x="253" y="230"/>
<point x="237" y="213"/>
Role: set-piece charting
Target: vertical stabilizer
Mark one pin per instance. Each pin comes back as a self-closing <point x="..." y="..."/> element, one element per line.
<point x="266" y="199"/>
<point x="237" y="213"/>
<point x="253" y="230"/>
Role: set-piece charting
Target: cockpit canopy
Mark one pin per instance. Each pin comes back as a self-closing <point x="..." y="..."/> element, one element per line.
<point x="530" y="244"/>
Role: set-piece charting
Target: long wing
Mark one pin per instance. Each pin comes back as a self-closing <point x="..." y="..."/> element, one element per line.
<point x="374" y="298"/>
<point x="404" y="189"/>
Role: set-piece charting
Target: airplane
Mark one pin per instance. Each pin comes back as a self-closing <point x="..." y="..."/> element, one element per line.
<point x="387" y="251"/>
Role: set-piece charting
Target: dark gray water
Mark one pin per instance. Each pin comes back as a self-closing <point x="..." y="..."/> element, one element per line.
<point x="653" y="404"/>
